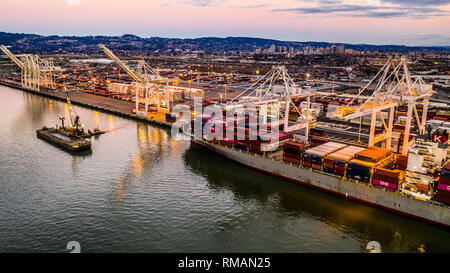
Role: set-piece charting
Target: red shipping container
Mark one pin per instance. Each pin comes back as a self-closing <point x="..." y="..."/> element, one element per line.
<point x="306" y="162"/>
<point x="294" y="146"/>
<point x="385" y="184"/>
<point x="292" y="160"/>
<point x="444" y="180"/>
<point x="241" y="142"/>
<point x="226" y="142"/>
<point x="339" y="170"/>
<point x="443" y="187"/>
<point x="295" y="156"/>
<point x="442" y="196"/>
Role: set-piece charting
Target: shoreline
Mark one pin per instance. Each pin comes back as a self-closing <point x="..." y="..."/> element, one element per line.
<point x="94" y="102"/>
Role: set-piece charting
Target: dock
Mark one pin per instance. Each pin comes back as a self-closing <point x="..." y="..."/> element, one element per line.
<point x="104" y="104"/>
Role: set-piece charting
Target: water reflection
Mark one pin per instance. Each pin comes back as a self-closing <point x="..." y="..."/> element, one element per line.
<point x="290" y="201"/>
<point x="50" y="107"/>
<point x="77" y="159"/>
<point x="151" y="147"/>
<point x="34" y="112"/>
<point x="112" y="127"/>
<point x="97" y="119"/>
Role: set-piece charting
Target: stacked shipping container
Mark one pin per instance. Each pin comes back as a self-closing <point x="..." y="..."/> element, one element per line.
<point x="315" y="141"/>
<point x="387" y="178"/>
<point x="292" y="152"/>
<point x="361" y="167"/>
<point x="443" y="187"/>
<point x="402" y="162"/>
<point x="337" y="162"/>
<point x="317" y="154"/>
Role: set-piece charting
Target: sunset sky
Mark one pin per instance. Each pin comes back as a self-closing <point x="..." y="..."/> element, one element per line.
<point x="409" y="22"/>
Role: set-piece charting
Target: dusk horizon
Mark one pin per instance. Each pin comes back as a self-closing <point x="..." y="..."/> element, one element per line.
<point x="378" y="22"/>
<point x="225" y="37"/>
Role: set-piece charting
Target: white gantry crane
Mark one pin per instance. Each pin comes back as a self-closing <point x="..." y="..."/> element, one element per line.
<point x="393" y="87"/>
<point x="144" y="76"/>
<point x="277" y="89"/>
<point x="34" y="71"/>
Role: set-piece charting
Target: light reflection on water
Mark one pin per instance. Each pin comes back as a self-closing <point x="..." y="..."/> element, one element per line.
<point x="142" y="191"/>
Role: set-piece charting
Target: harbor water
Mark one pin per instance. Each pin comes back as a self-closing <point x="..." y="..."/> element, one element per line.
<point x="142" y="191"/>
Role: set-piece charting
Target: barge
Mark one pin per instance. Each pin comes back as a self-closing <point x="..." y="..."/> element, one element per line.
<point x="67" y="142"/>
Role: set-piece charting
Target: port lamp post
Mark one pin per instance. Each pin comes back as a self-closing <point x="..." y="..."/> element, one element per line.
<point x="94" y="80"/>
<point x="109" y="90"/>
<point x="225" y="86"/>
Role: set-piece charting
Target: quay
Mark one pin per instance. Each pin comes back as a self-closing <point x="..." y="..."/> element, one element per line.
<point x="104" y="104"/>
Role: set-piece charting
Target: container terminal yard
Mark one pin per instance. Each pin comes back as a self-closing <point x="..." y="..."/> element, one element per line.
<point x="382" y="141"/>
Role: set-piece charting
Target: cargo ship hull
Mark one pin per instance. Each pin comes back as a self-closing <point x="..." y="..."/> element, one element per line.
<point x="431" y="212"/>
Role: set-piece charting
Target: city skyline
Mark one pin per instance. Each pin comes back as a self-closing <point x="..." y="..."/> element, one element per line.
<point x="414" y="23"/>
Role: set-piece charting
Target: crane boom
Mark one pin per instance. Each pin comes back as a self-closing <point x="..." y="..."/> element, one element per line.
<point x="34" y="70"/>
<point x="13" y="57"/>
<point x="121" y="64"/>
<point x="143" y="79"/>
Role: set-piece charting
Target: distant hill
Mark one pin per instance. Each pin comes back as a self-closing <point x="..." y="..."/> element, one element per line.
<point x="33" y="43"/>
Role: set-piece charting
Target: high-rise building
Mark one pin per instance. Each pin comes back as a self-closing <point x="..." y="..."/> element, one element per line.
<point x="341" y="49"/>
<point x="282" y="49"/>
<point x="333" y="49"/>
<point x="271" y="49"/>
<point x="307" y="50"/>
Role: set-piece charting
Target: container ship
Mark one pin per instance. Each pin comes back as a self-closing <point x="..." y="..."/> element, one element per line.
<point x="373" y="175"/>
